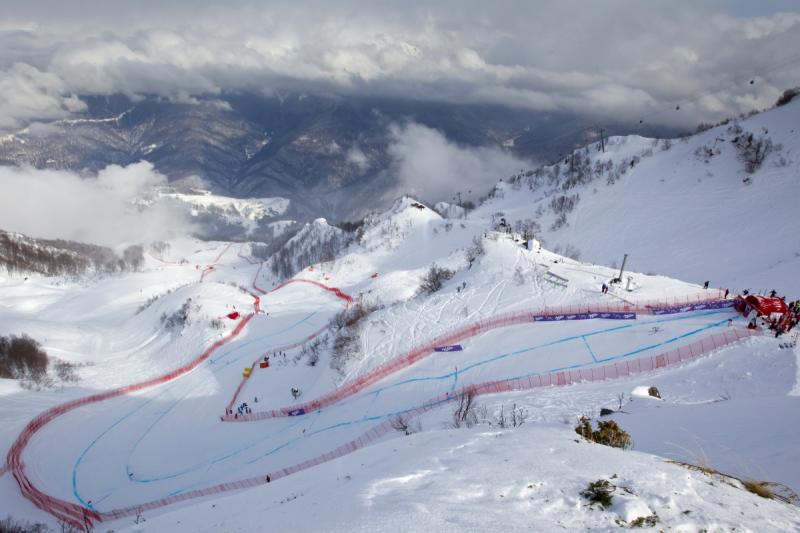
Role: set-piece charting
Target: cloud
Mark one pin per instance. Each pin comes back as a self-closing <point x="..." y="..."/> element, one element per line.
<point x="432" y="168"/>
<point x="357" y="157"/>
<point x="623" y="59"/>
<point x="98" y="210"/>
<point x="27" y="93"/>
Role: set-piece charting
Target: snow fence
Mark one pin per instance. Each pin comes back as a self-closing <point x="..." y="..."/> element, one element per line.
<point x="77" y="515"/>
<point x="83" y="518"/>
<point x="621" y="311"/>
<point x="72" y="513"/>
<point x="561" y="378"/>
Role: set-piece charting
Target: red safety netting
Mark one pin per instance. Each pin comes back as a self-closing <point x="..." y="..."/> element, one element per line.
<point x="499" y="321"/>
<point x="82" y="517"/>
<point x="566" y="377"/>
<point x="77" y="515"/>
<point x="338" y="293"/>
<point x="72" y="513"/>
<point x="210" y="268"/>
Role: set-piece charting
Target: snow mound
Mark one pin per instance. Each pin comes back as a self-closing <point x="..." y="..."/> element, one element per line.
<point x="478" y="480"/>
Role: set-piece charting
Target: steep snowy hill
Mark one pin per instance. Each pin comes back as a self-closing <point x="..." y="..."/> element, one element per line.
<point x="720" y="205"/>
<point x="223" y="390"/>
<point x="209" y="372"/>
<point x="315" y="242"/>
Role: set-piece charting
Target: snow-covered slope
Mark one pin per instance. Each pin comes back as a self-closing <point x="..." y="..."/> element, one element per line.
<point x="687" y="208"/>
<point x="529" y="479"/>
<point x="315" y="242"/>
<point x="205" y="328"/>
<point x="249" y="209"/>
<point x="221" y="215"/>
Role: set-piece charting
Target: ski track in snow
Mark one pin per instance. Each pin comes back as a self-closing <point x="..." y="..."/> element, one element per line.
<point x="144" y="418"/>
<point x="494" y="294"/>
<point x="230" y="454"/>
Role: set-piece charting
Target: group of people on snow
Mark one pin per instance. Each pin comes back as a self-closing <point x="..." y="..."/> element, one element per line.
<point x="788" y="321"/>
<point x="243" y="409"/>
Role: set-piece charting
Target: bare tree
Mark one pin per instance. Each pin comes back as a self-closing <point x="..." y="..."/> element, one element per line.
<point x="518" y="416"/>
<point x="464" y="413"/>
<point x="404" y="425"/>
<point x="22" y="357"/>
<point x="515" y="418"/>
<point x="133" y="256"/>
<point x="434" y="279"/>
<point x="10" y="525"/>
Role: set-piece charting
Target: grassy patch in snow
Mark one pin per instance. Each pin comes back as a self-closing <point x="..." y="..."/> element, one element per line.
<point x="770" y="490"/>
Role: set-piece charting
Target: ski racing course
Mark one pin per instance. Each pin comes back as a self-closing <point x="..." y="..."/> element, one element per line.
<point x="171" y="439"/>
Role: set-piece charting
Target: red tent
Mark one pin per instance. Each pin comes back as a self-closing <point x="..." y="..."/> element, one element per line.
<point x="234" y="315"/>
<point x="763" y="305"/>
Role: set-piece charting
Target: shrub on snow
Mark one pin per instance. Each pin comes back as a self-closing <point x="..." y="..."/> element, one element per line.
<point x="608" y="433"/>
<point x="434" y="279"/>
<point x="22" y="358"/>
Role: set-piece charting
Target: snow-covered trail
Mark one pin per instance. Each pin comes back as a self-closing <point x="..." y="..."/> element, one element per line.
<point x="181" y="412"/>
<point x="61" y="508"/>
<point x="148" y="448"/>
<point x="125" y="445"/>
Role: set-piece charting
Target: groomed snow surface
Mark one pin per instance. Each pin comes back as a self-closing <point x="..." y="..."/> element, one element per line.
<point x="480" y="479"/>
<point x="735" y="409"/>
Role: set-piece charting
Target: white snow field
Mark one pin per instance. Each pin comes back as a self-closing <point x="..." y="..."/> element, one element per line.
<point x="246" y="212"/>
<point x="164" y="455"/>
<point x="483" y="479"/>
<point x="680" y="211"/>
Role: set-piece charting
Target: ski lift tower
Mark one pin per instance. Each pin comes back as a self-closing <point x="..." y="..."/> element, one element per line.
<point x="622" y="269"/>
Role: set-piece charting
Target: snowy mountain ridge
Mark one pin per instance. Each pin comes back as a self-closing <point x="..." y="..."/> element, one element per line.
<point x="709" y="206"/>
<point x="218" y="392"/>
<point x="252" y="209"/>
<point x="246" y="216"/>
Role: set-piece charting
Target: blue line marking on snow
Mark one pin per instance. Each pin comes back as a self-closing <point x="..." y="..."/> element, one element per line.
<point x="594" y="358"/>
<point x="625" y="355"/>
<point x="375" y="393"/>
<point x="440" y="402"/>
<point x="545" y="345"/>
<point x="659" y="344"/>
<point x="91" y="445"/>
<point x="374" y="399"/>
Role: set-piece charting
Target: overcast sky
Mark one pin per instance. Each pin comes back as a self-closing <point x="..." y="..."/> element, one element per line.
<point x="615" y="58"/>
